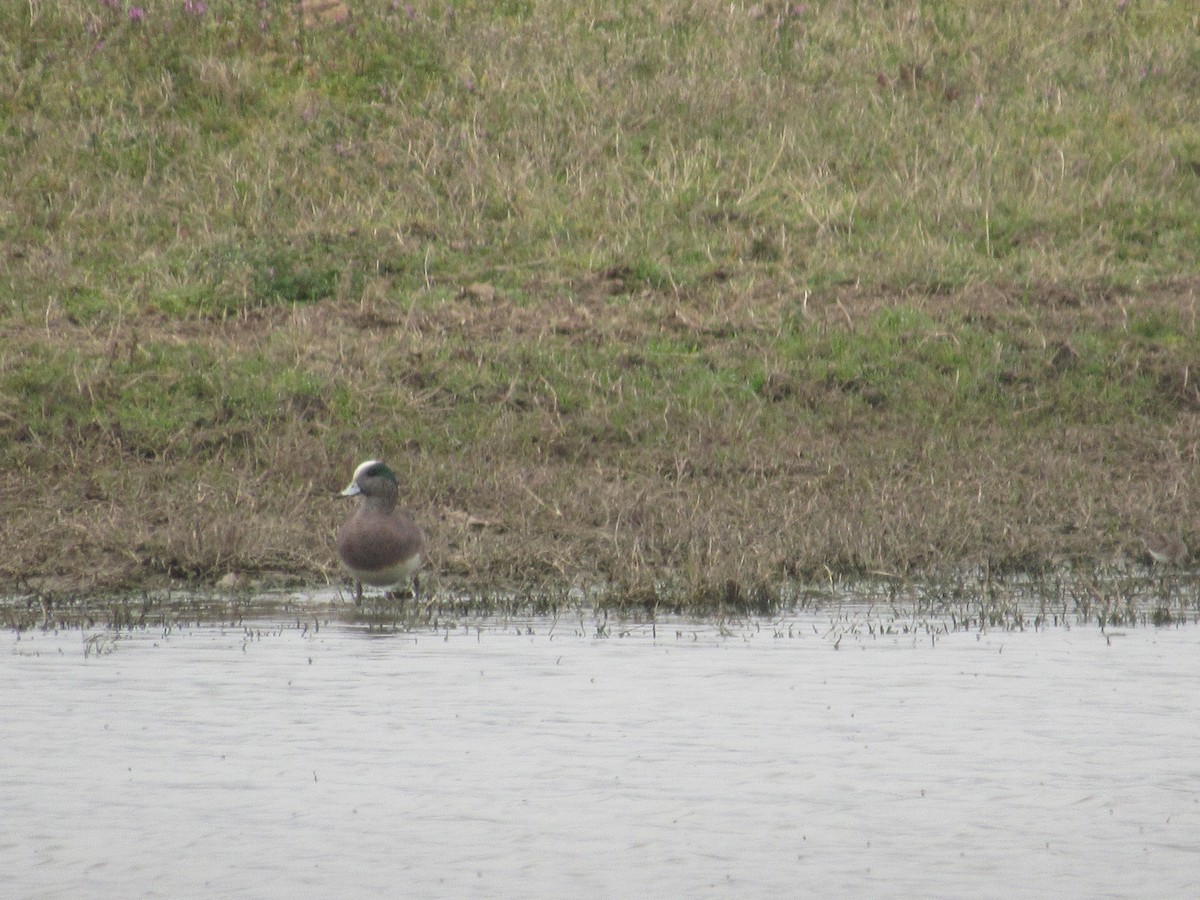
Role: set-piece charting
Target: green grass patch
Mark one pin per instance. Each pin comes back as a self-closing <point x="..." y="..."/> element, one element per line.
<point x="934" y="147"/>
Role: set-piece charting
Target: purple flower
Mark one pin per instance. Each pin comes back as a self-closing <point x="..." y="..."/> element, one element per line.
<point x="195" y="7"/>
<point x="136" y="14"/>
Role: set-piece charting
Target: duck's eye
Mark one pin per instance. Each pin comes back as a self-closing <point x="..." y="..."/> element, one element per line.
<point x="378" y="470"/>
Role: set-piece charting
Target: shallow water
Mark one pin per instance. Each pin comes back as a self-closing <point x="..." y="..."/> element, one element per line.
<point x="534" y="758"/>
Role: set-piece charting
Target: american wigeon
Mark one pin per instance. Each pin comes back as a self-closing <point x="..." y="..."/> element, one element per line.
<point x="379" y="544"/>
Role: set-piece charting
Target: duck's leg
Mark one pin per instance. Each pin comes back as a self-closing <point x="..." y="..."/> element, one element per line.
<point x="402" y="594"/>
<point x="357" y="592"/>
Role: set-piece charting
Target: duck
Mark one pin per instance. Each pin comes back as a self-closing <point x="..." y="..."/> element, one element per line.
<point x="379" y="545"/>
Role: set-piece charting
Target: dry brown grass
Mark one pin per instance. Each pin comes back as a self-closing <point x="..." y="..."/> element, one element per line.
<point x="719" y="498"/>
<point x="678" y="298"/>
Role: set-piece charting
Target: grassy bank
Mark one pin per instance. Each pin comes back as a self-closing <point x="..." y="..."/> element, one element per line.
<point x="680" y="299"/>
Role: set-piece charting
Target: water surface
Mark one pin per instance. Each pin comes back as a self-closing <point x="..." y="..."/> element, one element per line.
<point x="536" y="758"/>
